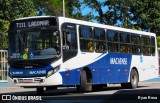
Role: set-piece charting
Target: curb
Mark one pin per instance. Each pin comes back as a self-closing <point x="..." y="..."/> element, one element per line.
<point x="4" y="84"/>
<point x="153" y="80"/>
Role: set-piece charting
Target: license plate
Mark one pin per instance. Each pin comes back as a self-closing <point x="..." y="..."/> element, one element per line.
<point x="25" y="80"/>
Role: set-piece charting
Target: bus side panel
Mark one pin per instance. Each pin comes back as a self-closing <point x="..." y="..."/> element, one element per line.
<point x="112" y="68"/>
<point x="109" y="68"/>
<point x="71" y="77"/>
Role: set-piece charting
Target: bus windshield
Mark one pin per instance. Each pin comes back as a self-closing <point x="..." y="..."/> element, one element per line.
<point x="36" y="43"/>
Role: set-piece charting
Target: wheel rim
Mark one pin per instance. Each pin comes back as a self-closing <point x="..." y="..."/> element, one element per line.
<point x="134" y="80"/>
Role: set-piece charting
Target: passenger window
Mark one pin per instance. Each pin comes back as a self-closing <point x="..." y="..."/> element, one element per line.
<point x="146" y="49"/>
<point x="153" y="46"/>
<point x="124" y="42"/>
<point x="136" y="46"/>
<point x="145" y="40"/>
<point x="99" y="34"/>
<point x="135" y="39"/>
<point x="86" y="39"/>
<point x="124" y="38"/>
<point x="112" y="37"/>
<point x="86" y="32"/>
<point x="99" y="40"/>
<point x="153" y="41"/>
<point x="112" y="47"/>
<point x="136" y="49"/>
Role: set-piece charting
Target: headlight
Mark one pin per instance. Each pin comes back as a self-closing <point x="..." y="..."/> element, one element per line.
<point x="52" y="71"/>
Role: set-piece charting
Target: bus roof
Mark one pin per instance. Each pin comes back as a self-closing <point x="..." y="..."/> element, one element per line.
<point x="33" y="17"/>
<point x="81" y="22"/>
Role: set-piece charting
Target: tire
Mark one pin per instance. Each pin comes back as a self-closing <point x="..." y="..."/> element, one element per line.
<point x="84" y="85"/>
<point x="134" y="79"/>
<point x="40" y="91"/>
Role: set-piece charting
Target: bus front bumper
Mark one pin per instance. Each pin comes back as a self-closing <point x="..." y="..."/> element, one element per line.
<point x="53" y="80"/>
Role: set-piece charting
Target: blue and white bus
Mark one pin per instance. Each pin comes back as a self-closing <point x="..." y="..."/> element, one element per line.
<point x="49" y="52"/>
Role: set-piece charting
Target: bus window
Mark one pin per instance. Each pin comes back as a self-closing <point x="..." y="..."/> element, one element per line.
<point x="99" y="40"/>
<point x="100" y="46"/>
<point x="113" y="47"/>
<point x="135" y="42"/>
<point x="136" y="49"/>
<point x="146" y="49"/>
<point x="112" y="37"/>
<point x="153" y="46"/>
<point x="86" y="41"/>
<point x="135" y="39"/>
<point x="145" y="40"/>
<point x="85" y="32"/>
<point x="124" y="48"/>
<point x="99" y="34"/>
<point x="124" y="38"/>
<point x="124" y="42"/>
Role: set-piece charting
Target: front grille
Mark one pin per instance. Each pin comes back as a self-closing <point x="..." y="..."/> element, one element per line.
<point x="30" y="80"/>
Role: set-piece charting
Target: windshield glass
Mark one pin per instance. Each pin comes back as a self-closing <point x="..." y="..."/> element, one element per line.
<point x="34" y="44"/>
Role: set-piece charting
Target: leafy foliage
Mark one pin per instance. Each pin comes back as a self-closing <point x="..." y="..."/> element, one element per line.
<point x="134" y="14"/>
<point x="11" y="9"/>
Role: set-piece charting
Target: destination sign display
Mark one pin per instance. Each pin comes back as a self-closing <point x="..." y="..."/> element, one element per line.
<point x="34" y="22"/>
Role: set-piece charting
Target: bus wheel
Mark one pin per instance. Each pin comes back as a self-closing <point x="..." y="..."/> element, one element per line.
<point x="84" y="84"/>
<point x="40" y="91"/>
<point x="133" y="80"/>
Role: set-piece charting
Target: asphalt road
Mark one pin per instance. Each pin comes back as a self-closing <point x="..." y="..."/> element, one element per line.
<point x="147" y="92"/>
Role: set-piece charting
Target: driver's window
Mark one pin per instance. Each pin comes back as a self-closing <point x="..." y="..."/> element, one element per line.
<point x="70" y="39"/>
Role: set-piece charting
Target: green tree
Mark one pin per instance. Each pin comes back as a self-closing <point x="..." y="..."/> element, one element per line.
<point x="134" y="14"/>
<point x="11" y="9"/>
<point x="117" y="12"/>
<point x="49" y="7"/>
<point x="147" y="15"/>
<point x="55" y="8"/>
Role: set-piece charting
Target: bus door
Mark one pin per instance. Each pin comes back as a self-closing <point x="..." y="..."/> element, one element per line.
<point x="69" y="41"/>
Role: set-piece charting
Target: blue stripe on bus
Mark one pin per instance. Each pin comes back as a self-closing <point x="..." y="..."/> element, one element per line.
<point x="23" y="72"/>
<point x="105" y="70"/>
